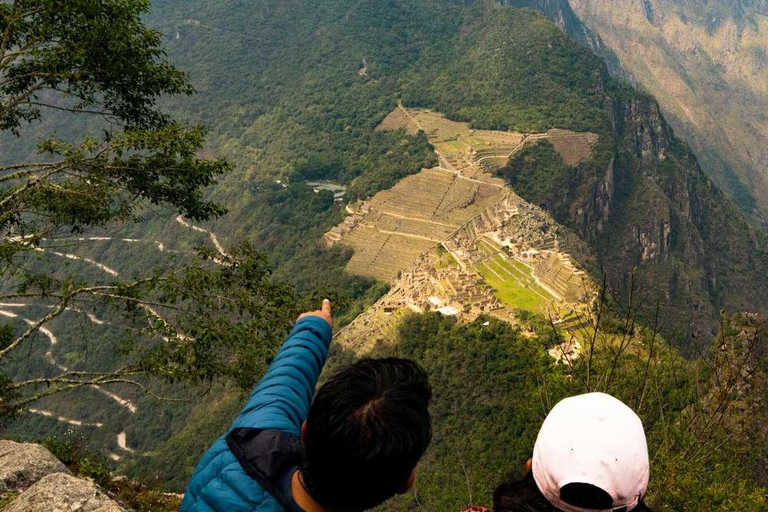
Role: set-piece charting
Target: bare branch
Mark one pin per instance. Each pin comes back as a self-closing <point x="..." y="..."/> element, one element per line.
<point x="102" y="113"/>
<point x="33" y="328"/>
<point x="28" y="165"/>
<point x="651" y="354"/>
<point x="593" y="339"/>
<point x="30" y="184"/>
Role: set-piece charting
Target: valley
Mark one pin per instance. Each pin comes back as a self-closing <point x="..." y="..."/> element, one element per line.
<point x="705" y="62"/>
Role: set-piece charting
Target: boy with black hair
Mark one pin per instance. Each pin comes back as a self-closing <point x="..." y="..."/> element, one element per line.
<point x="354" y="448"/>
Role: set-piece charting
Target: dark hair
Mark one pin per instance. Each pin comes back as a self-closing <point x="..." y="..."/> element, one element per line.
<point x="524" y="496"/>
<point x="367" y="429"/>
<point x="586" y="496"/>
<point x="521" y="495"/>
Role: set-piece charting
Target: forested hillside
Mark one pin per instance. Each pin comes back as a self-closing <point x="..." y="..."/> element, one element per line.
<point x="494" y="386"/>
<point x="293" y="90"/>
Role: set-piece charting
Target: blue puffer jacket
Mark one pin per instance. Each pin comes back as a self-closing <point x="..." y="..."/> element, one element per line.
<point x="280" y="401"/>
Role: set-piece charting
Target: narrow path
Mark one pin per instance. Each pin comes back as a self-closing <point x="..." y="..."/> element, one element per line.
<point x="122" y="401"/>
<point x="462" y="177"/>
<point x="122" y="442"/>
<point x="75" y="257"/>
<point x="408" y="235"/>
<point x="180" y="219"/>
<point x="127" y="404"/>
<point x="160" y="245"/>
<point x="63" y="419"/>
<point x="456" y="257"/>
<point x="417" y="219"/>
<point x="43" y="330"/>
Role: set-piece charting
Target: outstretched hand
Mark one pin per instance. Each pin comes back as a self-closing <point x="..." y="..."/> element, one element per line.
<point x="324" y="313"/>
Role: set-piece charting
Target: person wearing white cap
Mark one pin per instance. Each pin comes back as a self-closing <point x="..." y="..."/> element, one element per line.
<point x="591" y="455"/>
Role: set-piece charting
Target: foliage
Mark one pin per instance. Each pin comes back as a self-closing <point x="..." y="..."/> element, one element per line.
<point x="493" y="387"/>
<point x="98" y="55"/>
<point x="282" y="89"/>
<point x="171" y="465"/>
<point x="218" y="316"/>
<point x="214" y="315"/>
<point x="6" y="498"/>
<point x="84" y="464"/>
<point x="510" y="69"/>
<point x="551" y="173"/>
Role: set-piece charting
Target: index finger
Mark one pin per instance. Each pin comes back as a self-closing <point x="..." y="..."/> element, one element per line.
<point x="327" y="306"/>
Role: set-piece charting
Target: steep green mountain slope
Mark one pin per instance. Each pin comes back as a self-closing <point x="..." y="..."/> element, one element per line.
<point x="493" y="387"/>
<point x="286" y="97"/>
<point x="654" y="209"/>
<point x="313" y="80"/>
<point x="292" y="89"/>
<point x="705" y="61"/>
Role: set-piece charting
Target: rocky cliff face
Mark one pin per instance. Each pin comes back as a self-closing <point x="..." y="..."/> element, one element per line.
<point x="562" y="14"/>
<point x="706" y="63"/>
<point x="650" y="209"/>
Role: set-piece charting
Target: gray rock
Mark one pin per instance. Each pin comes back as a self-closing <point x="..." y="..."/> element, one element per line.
<point x="23" y="464"/>
<point x="60" y="492"/>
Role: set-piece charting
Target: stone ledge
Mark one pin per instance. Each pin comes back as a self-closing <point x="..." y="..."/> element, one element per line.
<point x="61" y="492"/>
<point x="23" y="464"/>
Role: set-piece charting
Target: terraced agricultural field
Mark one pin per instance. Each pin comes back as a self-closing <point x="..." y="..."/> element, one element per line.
<point x="425" y="208"/>
<point x="573" y="147"/>
<point x="413" y="216"/>
<point x="382" y="255"/>
<point x="397" y="119"/>
<point x="514" y="284"/>
<point x="487" y="247"/>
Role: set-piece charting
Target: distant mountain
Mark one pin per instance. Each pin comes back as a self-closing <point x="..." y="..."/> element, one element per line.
<point x="706" y="62"/>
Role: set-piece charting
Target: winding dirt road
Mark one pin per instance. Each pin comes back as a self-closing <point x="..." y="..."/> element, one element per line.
<point x="121" y="438"/>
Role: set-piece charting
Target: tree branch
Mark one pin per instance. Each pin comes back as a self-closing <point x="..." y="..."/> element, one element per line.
<point x="103" y="113"/>
<point x="7" y="33"/>
<point x="18" y="100"/>
<point x="33" y="328"/>
<point x="30" y="184"/>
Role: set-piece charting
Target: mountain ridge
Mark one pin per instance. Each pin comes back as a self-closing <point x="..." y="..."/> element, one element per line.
<point x="705" y="62"/>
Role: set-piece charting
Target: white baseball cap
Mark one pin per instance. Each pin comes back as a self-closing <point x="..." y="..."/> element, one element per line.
<point x="592" y="439"/>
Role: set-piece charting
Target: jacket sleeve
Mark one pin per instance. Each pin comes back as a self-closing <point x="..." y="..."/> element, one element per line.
<point x="282" y="399"/>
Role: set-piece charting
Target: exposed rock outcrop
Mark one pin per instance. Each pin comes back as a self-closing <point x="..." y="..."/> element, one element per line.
<point x="648" y="206"/>
<point x="706" y="63"/>
<point x="60" y="492"/>
<point x="44" y="484"/>
<point x="23" y="464"/>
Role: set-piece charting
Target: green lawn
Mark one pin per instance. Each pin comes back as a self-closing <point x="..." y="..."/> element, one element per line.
<point x="510" y="291"/>
<point x="521" y="272"/>
<point x="441" y="258"/>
